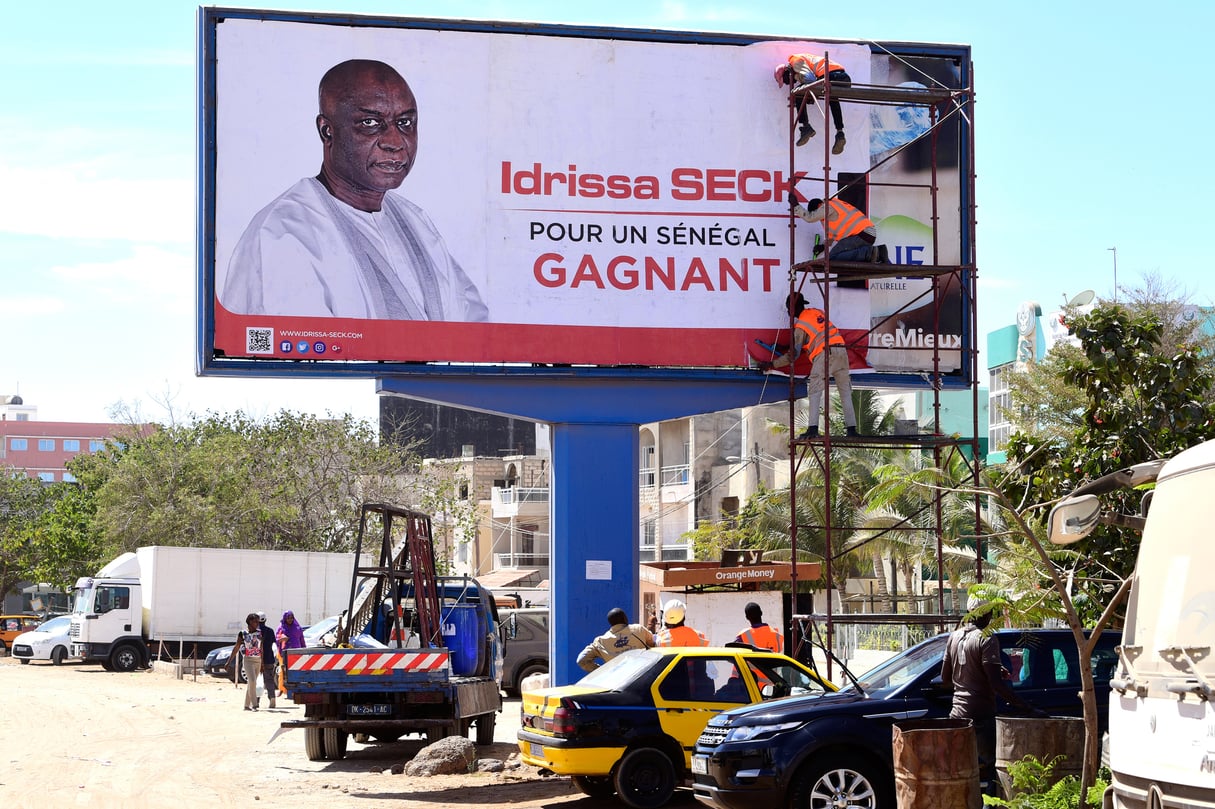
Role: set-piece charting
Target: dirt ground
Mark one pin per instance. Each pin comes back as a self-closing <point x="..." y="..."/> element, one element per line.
<point x="76" y="735"/>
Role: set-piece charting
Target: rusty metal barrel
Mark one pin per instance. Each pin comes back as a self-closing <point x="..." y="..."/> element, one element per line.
<point x="1044" y="738"/>
<point x="936" y="765"/>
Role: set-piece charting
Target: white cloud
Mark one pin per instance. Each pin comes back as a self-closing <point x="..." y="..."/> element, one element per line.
<point x="31" y="307"/>
<point x="72" y="199"/>
<point x="150" y="274"/>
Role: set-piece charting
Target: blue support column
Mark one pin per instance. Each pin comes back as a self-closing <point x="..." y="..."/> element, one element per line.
<point x="594" y="505"/>
<point x="594" y="523"/>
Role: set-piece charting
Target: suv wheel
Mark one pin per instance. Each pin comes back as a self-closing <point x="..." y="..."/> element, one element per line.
<point x="833" y="780"/>
<point x="645" y="778"/>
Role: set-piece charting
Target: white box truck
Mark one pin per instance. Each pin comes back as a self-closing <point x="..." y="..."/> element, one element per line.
<point x="189" y="600"/>
<point x="1162" y="724"/>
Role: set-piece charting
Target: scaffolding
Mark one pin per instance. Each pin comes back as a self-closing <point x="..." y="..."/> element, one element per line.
<point x="951" y="270"/>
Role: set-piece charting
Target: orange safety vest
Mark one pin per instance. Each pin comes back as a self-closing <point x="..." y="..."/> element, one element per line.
<point x="763" y="637"/>
<point x="817" y="65"/>
<point x="813" y="322"/>
<point x="842" y="220"/>
<point x="681" y="636"/>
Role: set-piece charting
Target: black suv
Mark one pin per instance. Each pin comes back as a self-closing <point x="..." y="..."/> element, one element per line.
<point x="835" y="749"/>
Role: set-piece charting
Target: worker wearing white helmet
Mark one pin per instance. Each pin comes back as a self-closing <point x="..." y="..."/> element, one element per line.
<point x="675" y="632"/>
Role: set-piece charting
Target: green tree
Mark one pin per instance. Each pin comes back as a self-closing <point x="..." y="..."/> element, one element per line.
<point x="288" y="482"/>
<point x="1140" y="402"/>
<point x="22" y="500"/>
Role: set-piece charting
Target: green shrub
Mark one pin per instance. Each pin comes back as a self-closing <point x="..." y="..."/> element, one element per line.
<point x="1032" y="777"/>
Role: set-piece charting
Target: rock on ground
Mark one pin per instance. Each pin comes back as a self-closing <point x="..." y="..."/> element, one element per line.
<point x="448" y="756"/>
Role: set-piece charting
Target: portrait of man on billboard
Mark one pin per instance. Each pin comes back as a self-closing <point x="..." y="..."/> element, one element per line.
<point x="344" y="243"/>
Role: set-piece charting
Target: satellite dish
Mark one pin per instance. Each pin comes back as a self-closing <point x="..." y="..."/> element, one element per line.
<point x="1083" y="298"/>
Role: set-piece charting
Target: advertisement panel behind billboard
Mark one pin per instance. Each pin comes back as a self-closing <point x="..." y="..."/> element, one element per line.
<point x="397" y="192"/>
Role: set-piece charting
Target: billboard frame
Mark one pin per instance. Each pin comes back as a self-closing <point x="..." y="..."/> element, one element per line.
<point x="208" y="364"/>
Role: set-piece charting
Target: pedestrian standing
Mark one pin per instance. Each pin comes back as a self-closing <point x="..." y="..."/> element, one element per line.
<point x="249" y="644"/>
<point x="269" y="657"/>
<point x="290" y="635"/>
<point x="973" y="670"/>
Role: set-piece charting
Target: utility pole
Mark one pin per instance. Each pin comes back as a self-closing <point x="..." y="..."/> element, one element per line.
<point x="1115" y="251"/>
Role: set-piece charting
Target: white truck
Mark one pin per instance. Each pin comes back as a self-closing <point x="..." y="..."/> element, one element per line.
<point x="178" y="601"/>
<point x="1161" y="721"/>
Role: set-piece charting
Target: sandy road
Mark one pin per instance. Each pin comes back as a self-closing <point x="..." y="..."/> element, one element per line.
<point x="76" y="735"/>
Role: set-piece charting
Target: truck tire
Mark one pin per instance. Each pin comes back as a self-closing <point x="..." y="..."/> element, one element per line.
<point x="335" y="743"/>
<point x="126" y="658"/>
<point x="433" y="734"/>
<point x="105" y="664"/>
<point x="485" y="728"/>
<point x="314" y="744"/>
<point x="645" y="778"/>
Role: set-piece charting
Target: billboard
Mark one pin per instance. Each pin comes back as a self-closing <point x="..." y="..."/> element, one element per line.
<point x="380" y="193"/>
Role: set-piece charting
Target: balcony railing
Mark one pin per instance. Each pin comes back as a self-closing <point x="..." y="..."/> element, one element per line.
<point x="518" y="560"/>
<point x="517" y="494"/>
<point x="678" y="475"/>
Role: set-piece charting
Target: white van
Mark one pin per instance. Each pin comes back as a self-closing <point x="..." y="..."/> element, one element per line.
<point x="1161" y="720"/>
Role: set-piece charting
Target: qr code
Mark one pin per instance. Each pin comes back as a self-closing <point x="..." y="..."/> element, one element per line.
<point x="259" y="341"/>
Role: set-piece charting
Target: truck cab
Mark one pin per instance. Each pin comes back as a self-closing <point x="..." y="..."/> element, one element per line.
<point x="1161" y="720"/>
<point x="107" y="623"/>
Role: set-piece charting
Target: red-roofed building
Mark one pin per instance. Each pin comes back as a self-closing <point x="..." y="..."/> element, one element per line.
<point x="42" y="448"/>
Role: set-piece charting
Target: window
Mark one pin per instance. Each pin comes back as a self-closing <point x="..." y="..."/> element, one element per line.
<point x="71" y="445"/>
<point x="18" y="444"/>
<point x="46" y="477"/>
<point x="96" y="446"/>
<point x="46" y="445"/>
<point x="68" y="477"/>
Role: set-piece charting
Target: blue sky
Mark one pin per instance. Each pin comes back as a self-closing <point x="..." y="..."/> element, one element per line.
<point x="1090" y="124"/>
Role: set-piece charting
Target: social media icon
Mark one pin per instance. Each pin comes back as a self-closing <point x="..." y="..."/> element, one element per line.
<point x="285" y="346"/>
<point x="302" y="346"/>
<point x="336" y="348"/>
<point x="318" y="347"/>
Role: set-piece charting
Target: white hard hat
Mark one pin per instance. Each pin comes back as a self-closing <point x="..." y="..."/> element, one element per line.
<point x="673" y="611"/>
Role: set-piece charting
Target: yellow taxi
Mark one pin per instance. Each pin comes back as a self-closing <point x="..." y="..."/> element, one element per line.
<point x="629" y="726"/>
<point x="13" y="625"/>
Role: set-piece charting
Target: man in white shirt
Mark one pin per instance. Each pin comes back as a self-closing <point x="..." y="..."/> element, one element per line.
<point x="339" y="244"/>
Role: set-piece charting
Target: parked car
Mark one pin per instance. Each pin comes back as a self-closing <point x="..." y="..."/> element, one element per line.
<point x="835" y="749"/>
<point x="628" y="727"/>
<point x="216" y="663"/>
<point x="13" y="625"/>
<point x="525" y="632"/>
<point x="50" y="641"/>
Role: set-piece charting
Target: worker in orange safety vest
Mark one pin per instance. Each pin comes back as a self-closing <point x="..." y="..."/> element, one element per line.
<point x="759" y="634"/>
<point x="675" y="632"/>
<point x="851" y="235"/>
<point x="802" y="69"/>
<point x="812" y="333"/>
